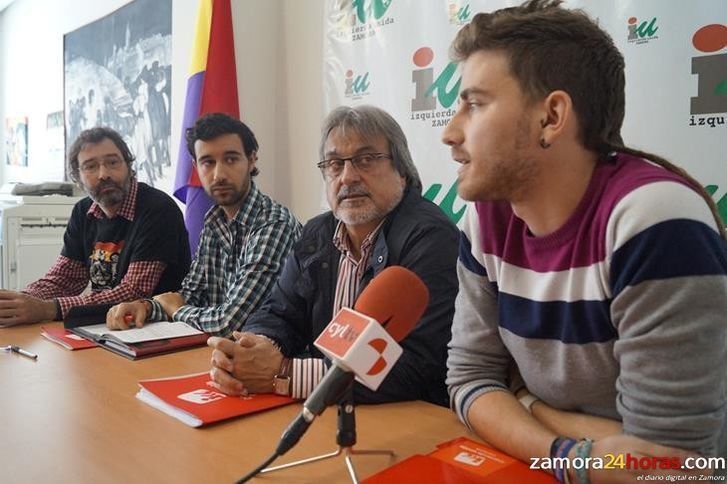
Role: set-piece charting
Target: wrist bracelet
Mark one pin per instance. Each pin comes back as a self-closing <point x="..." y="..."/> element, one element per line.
<point x="583" y="451"/>
<point x="559" y="449"/>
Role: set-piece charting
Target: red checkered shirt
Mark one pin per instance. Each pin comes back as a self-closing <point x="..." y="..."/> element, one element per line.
<point x="67" y="278"/>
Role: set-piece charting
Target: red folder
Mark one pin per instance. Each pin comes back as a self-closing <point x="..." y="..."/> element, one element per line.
<point x="195" y="402"/>
<point x="65" y="338"/>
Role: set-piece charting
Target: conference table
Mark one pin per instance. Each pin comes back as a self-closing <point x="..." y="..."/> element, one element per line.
<point x="72" y="417"/>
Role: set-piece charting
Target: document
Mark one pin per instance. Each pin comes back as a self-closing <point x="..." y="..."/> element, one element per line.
<point x="149" y="332"/>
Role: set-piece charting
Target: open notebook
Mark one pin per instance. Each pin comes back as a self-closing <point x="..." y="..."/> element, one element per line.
<point x="152" y="339"/>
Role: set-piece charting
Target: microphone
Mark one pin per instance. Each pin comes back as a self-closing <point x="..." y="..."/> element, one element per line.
<point x="363" y="343"/>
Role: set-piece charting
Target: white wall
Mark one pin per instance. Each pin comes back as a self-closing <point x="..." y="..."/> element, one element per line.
<point x="278" y="45"/>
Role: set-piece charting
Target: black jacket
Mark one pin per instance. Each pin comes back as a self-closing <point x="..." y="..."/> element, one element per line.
<point x="416" y="235"/>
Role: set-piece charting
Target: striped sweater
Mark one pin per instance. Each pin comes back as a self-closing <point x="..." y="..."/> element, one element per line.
<point x="620" y="313"/>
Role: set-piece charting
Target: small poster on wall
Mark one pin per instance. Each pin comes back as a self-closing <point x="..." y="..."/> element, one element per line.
<point x="55" y="146"/>
<point x="16" y="141"/>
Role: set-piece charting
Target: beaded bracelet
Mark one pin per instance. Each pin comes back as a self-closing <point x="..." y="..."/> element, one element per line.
<point x="559" y="449"/>
<point x="583" y="451"/>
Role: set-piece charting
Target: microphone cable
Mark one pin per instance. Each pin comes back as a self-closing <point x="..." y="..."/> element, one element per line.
<point x="259" y="468"/>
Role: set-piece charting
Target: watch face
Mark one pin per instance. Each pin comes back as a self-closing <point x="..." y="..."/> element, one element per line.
<point x="281" y="385"/>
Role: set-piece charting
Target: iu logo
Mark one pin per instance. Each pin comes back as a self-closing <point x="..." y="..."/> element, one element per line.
<point x="380" y="364"/>
<point x="427" y="87"/>
<point x="641" y="31"/>
<point x="459" y="15"/>
<point x="356" y="86"/>
<point x="365" y="9"/>
<point x="710" y="69"/>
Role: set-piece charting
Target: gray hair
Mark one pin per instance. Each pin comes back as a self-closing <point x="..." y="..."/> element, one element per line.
<point x="370" y="122"/>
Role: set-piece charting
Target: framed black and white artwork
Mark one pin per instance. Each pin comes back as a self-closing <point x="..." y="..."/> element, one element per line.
<point x="117" y="73"/>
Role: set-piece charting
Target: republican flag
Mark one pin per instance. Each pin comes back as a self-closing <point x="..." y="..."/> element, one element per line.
<point x="212" y="87"/>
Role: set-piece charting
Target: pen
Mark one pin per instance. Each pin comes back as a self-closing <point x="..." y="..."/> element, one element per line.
<point x="21" y="351"/>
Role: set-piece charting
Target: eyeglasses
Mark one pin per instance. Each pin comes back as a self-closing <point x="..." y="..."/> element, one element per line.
<point x="363" y="163"/>
<point x="111" y="164"/>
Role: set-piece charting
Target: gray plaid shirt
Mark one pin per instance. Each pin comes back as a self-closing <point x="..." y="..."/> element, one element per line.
<point x="236" y="265"/>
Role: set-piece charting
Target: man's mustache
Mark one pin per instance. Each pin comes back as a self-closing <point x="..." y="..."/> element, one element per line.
<point x="354" y="191"/>
<point x="218" y="186"/>
<point x="107" y="184"/>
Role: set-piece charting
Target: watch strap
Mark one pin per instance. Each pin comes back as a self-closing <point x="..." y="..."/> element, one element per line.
<point x="282" y="380"/>
<point x="527" y="401"/>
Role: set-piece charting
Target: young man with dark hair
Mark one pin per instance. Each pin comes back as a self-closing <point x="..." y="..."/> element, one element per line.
<point x="125" y="238"/>
<point x="598" y="271"/>
<point x="245" y="239"/>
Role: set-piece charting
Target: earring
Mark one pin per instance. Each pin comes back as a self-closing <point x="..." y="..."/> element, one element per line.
<point x="543" y="144"/>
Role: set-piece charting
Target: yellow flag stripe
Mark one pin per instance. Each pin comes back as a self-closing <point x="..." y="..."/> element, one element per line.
<point x="201" y="37"/>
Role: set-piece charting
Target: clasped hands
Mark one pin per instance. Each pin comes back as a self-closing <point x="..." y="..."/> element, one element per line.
<point x="246" y="365"/>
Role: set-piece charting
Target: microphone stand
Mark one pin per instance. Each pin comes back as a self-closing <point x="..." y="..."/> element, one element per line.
<point x="345" y="438"/>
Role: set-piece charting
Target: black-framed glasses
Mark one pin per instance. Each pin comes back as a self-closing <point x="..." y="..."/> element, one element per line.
<point x="92" y="167"/>
<point x="364" y="163"/>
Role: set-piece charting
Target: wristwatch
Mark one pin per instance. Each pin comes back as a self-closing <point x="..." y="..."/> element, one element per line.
<point x="281" y="381"/>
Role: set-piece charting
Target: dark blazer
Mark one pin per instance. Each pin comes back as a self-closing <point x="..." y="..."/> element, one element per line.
<point x="416" y="235"/>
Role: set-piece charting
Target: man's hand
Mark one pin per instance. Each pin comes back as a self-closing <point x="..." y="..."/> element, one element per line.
<point x="19" y="308"/>
<point x="629" y="447"/>
<point x="171" y="302"/>
<point x="127" y="315"/>
<point x="245" y="365"/>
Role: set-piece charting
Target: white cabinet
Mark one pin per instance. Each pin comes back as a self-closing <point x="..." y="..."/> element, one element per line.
<point x="31" y="236"/>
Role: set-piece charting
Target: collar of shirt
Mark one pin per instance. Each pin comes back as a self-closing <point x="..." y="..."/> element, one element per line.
<point x="342" y="242"/>
<point x="128" y="205"/>
<point x="245" y="216"/>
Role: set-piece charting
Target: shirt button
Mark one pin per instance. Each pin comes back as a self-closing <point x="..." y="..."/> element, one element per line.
<point x="381" y="258"/>
<point x="325" y="265"/>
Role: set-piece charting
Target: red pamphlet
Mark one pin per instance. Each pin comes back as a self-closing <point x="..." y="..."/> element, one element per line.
<point x="65" y="338"/>
<point x="195" y="402"/>
<point x="462" y="461"/>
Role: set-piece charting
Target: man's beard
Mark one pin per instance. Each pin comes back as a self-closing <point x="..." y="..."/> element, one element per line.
<point x="233" y="196"/>
<point x="112" y="197"/>
<point x="360" y="216"/>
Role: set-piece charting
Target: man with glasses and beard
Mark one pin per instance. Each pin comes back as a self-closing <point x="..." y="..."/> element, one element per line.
<point x="245" y="239"/>
<point x="378" y="218"/>
<point x="127" y="239"/>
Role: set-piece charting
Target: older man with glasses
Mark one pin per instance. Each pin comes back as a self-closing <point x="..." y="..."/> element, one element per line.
<point x="126" y="238"/>
<point x="378" y="218"/>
